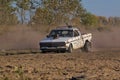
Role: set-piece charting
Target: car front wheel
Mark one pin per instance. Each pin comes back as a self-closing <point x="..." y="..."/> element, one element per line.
<point x="70" y="49"/>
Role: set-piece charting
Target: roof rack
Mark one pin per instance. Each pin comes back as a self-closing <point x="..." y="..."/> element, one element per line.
<point x="70" y="26"/>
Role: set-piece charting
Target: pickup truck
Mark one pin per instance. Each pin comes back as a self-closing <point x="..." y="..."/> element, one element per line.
<point x="64" y="39"/>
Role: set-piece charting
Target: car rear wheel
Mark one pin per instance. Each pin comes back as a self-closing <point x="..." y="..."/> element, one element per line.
<point x="87" y="47"/>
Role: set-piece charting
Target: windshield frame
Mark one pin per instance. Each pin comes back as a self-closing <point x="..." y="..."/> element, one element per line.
<point x="61" y="33"/>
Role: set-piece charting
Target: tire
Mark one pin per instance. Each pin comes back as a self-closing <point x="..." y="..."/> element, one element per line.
<point x="70" y="49"/>
<point x="43" y="51"/>
<point x="87" y="47"/>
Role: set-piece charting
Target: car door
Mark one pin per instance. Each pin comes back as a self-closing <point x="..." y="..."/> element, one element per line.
<point x="80" y="41"/>
<point x="76" y="39"/>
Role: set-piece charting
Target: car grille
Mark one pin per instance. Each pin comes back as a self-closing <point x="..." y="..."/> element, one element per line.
<point x="52" y="44"/>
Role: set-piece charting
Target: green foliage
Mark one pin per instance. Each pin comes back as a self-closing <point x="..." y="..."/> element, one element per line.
<point x="43" y="16"/>
<point x="89" y="19"/>
<point x="24" y="4"/>
<point x="57" y="11"/>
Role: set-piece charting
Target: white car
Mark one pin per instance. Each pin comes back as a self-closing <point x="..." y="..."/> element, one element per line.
<point x="66" y="39"/>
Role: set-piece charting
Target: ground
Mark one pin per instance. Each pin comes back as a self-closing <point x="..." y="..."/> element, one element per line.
<point x="21" y="59"/>
<point x="61" y="66"/>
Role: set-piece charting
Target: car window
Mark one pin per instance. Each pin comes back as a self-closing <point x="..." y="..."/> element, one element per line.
<point x="62" y="33"/>
<point x="76" y="33"/>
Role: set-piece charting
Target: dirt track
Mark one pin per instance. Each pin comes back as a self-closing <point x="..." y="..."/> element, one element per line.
<point x="62" y="66"/>
<point x="102" y="64"/>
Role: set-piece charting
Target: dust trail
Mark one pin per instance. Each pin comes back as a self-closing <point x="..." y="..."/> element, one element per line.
<point x="107" y="39"/>
<point x="20" y="37"/>
<point x="23" y="37"/>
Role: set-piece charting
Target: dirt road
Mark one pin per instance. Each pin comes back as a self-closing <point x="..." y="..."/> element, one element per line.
<point x="63" y="66"/>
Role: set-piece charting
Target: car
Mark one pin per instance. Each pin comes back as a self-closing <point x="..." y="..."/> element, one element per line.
<point x="66" y="39"/>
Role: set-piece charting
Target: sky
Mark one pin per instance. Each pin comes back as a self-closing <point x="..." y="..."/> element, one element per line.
<point x="105" y="8"/>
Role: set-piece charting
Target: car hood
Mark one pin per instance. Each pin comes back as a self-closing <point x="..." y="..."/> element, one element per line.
<point x="60" y="39"/>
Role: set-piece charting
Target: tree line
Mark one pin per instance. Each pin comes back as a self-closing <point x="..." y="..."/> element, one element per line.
<point x="50" y="12"/>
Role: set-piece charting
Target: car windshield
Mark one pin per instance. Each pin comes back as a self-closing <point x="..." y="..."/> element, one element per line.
<point x="61" y="33"/>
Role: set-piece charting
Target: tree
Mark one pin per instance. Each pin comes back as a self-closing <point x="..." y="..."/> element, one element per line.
<point x="103" y="20"/>
<point x="89" y="19"/>
<point x="114" y="21"/>
<point x="26" y="8"/>
<point x="21" y="7"/>
<point x="7" y="15"/>
<point x="57" y="11"/>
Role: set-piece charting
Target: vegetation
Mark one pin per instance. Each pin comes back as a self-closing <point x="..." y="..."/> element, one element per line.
<point x="57" y="11"/>
<point x="89" y="19"/>
<point x="50" y="12"/>
<point x="7" y="15"/>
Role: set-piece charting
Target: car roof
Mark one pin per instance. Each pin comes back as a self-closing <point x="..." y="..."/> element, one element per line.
<point x="66" y="28"/>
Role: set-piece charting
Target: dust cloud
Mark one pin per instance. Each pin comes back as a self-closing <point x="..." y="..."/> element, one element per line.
<point x="107" y="40"/>
<point x="23" y="37"/>
<point x="20" y="37"/>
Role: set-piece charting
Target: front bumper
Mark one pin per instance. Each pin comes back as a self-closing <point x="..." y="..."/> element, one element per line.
<point x="53" y="49"/>
<point x="53" y="46"/>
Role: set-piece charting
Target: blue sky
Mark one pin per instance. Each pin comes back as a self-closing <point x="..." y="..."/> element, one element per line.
<point x="103" y="7"/>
